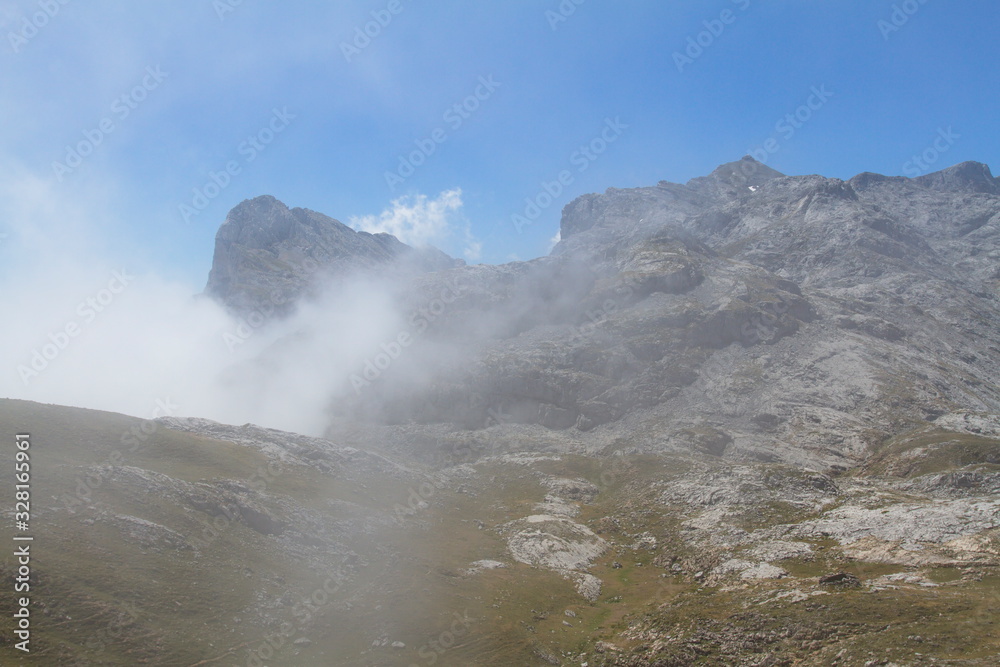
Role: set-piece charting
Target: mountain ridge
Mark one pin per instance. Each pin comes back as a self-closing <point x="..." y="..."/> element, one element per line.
<point x="750" y="420"/>
<point x="657" y="300"/>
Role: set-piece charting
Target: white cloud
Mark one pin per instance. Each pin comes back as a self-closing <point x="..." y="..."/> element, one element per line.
<point x="554" y="240"/>
<point x="420" y="221"/>
<point x="97" y="327"/>
<point x="9" y="15"/>
<point x="415" y="220"/>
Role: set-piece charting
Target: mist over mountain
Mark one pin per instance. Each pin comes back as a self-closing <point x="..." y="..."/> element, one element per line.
<point x="752" y="419"/>
<point x="265" y="255"/>
<point x="450" y="334"/>
<point x="749" y="314"/>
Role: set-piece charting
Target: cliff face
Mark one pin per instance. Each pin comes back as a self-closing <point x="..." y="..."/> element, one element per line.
<point x="746" y="314"/>
<point x="269" y="255"/>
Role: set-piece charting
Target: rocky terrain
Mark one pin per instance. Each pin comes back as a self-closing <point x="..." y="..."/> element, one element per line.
<point x="748" y="420"/>
<point x="746" y="314"/>
<point x="214" y="544"/>
<point x="268" y="256"/>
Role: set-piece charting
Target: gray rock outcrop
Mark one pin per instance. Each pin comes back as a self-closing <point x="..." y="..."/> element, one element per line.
<point x="746" y="315"/>
<point x="267" y="256"/>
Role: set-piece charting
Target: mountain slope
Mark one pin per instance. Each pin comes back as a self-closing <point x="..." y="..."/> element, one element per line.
<point x="749" y="314"/>
<point x="201" y="543"/>
<point x="748" y="420"/>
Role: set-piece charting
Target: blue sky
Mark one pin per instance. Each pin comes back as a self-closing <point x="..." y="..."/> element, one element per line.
<point x="201" y="78"/>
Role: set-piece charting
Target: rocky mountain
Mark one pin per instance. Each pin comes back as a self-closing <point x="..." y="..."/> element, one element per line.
<point x="750" y="420"/>
<point x="268" y="256"/>
<point x="745" y="314"/>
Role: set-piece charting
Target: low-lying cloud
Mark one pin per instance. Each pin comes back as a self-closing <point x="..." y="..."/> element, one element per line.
<point x="88" y="329"/>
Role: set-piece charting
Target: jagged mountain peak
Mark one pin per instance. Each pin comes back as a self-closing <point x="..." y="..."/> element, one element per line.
<point x="743" y="258"/>
<point x="263" y="221"/>
<point x="695" y="283"/>
<point x="764" y="389"/>
<point x="741" y="174"/>
<point x="268" y="252"/>
<point x="963" y="177"/>
<point x="635" y="208"/>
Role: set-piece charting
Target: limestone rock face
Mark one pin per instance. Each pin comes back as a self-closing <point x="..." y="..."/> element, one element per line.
<point x="269" y="255"/>
<point x="745" y="315"/>
<point x="964" y="177"/>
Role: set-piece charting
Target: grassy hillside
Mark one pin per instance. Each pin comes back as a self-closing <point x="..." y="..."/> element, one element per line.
<point x="181" y="551"/>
